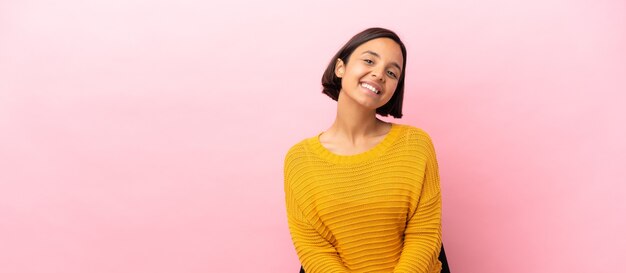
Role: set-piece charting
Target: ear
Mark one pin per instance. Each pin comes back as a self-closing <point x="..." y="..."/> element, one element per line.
<point x="339" y="68"/>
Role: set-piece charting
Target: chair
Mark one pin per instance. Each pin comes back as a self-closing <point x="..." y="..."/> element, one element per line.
<point x="442" y="258"/>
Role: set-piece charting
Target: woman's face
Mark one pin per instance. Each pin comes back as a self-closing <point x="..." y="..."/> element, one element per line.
<point x="371" y="75"/>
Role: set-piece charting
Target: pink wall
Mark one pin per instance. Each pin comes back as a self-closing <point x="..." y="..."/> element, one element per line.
<point x="148" y="136"/>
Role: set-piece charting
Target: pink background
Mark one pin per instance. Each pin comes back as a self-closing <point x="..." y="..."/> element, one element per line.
<point x="148" y="136"/>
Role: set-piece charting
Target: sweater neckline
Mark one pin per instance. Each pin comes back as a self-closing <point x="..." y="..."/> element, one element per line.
<point x="373" y="152"/>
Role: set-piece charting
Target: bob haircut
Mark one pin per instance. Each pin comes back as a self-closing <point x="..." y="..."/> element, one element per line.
<point x="332" y="84"/>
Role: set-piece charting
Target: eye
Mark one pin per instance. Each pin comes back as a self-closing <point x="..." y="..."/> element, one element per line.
<point x="390" y="73"/>
<point x="368" y="61"/>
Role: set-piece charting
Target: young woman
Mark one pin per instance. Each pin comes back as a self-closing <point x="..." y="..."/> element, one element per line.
<point x="364" y="195"/>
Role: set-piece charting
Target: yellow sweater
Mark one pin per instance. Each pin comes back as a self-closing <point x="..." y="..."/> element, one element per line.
<point x="377" y="211"/>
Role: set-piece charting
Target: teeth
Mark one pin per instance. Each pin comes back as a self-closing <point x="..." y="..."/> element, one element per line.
<point x="371" y="88"/>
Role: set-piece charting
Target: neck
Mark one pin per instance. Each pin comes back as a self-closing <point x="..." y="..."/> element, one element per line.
<point x="353" y="121"/>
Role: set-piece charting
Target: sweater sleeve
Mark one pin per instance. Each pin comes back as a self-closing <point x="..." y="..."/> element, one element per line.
<point x="422" y="236"/>
<point x="316" y="254"/>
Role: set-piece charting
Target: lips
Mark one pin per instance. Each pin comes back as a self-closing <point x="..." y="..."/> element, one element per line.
<point x="375" y="88"/>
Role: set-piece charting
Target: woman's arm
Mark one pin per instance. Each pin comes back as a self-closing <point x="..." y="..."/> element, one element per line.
<point x="422" y="236"/>
<point x="316" y="254"/>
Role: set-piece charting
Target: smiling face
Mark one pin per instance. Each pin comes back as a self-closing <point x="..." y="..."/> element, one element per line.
<point x="371" y="75"/>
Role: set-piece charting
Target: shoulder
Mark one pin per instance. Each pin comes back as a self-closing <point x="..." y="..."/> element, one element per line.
<point x="412" y="133"/>
<point x="297" y="148"/>
<point x="297" y="162"/>
<point x="415" y="139"/>
<point x="297" y="152"/>
<point x="417" y="142"/>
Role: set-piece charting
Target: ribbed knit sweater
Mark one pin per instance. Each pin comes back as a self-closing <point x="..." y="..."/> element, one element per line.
<point x="377" y="211"/>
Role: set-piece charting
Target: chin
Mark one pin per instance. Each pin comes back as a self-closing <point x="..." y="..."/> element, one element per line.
<point x="370" y="106"/>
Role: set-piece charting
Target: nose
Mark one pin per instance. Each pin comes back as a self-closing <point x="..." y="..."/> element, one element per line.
<point x="378" y="75"/>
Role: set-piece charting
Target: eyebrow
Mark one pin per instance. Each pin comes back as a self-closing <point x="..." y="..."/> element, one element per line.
<point x="378" y="56"/>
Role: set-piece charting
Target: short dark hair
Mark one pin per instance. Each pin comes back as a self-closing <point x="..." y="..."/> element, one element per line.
<point x="332" y="84"/>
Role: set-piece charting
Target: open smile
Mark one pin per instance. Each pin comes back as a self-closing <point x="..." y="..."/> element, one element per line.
<point x="371" y="87"/>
